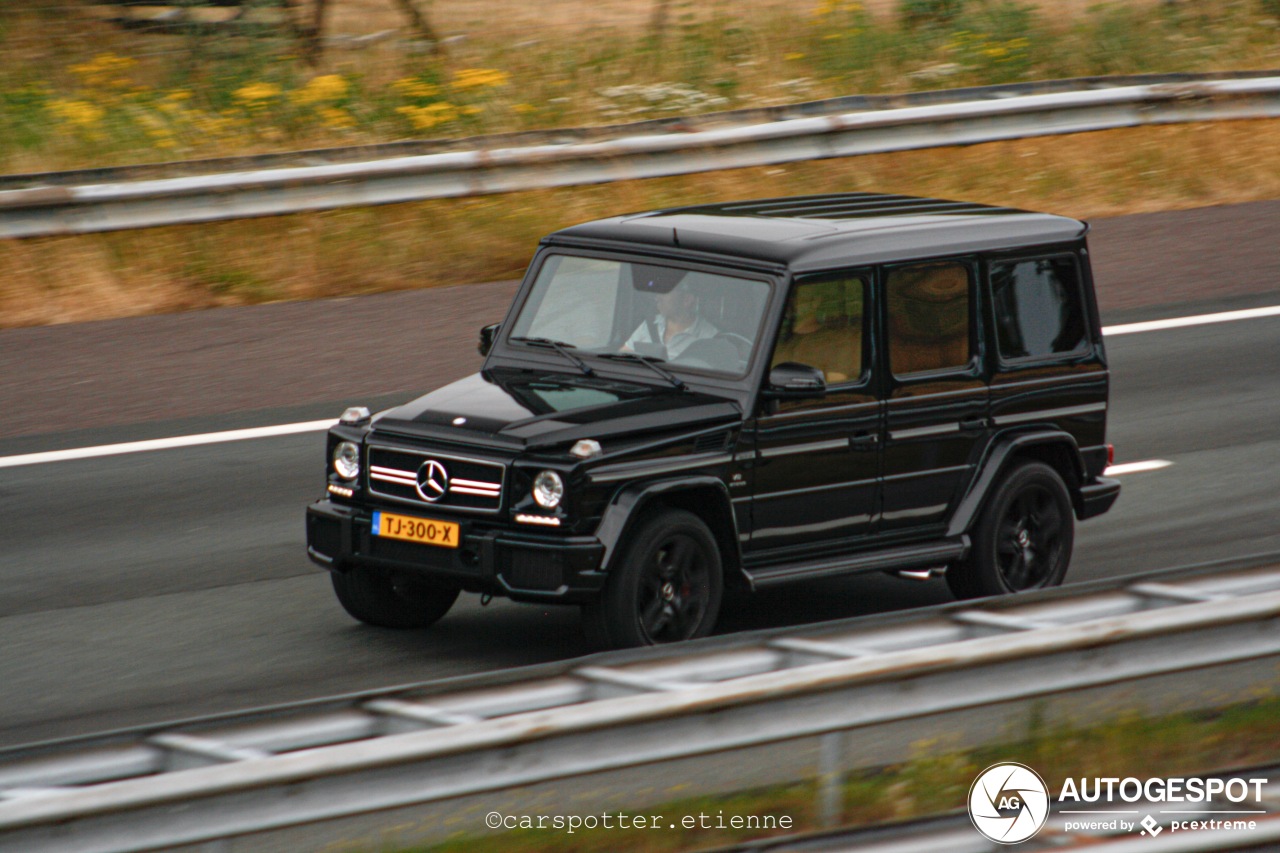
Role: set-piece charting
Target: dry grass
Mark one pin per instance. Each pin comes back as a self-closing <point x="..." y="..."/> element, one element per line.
<point x="502" y="19"/>
<point x="67" y="279"/>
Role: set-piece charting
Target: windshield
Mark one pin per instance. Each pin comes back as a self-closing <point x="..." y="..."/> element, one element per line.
<point x="682" y="317"/>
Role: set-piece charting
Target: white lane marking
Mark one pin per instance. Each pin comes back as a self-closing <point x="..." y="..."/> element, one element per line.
<point x="1136" y="467"/>
<point x="315" y="426"/>
<point x="1198" y="320"/>
<point x="162" y="443"/>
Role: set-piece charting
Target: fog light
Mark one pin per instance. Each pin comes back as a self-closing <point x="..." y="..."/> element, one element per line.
<point x="548" y="489"/>
<point x="346" y="460"/>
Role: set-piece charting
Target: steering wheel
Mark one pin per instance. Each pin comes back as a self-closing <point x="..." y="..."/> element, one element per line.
<point x="722" y="352"/>
<point x="741" y="344"/>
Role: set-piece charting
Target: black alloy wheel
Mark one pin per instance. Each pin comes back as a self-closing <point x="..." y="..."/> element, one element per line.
<point x="667" y="587"/>
<point x="1029" y="540"/>
<point x="1023" y="539"/>
<point x="672" y="599"/>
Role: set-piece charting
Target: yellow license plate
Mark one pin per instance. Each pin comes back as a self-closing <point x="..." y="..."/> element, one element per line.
<point x="426" y="531"/>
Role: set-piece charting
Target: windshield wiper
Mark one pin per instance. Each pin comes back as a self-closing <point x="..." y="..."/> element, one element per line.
<point x="561" y="347"/>
<point x="650" y="362"/>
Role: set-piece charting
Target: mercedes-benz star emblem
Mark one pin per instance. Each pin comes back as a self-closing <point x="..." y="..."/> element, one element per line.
<point x="433" y="480"/>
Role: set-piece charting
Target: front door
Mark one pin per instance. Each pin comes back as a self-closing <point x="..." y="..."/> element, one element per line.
<point x="817" y="459"/>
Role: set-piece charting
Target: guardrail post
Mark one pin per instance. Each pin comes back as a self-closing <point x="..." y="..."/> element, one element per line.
<point x="831" y="779"/>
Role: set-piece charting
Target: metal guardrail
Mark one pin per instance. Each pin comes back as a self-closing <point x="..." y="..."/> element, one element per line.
<point x="236" y="776"/>
<point x="57" y="208"/>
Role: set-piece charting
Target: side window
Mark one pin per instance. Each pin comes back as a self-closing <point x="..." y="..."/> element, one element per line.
<point x="822" y="327"/>
<point x="929" y="317"/>
<point x="1039" y="310"/>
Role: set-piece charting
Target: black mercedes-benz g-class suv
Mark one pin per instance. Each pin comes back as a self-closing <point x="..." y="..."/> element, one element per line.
<point x="739" y="395"/>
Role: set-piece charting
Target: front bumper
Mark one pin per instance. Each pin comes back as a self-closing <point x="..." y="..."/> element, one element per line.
<point x="521" y="565"/>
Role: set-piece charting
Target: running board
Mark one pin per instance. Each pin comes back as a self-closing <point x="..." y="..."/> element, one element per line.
<point x="906" y="557"/>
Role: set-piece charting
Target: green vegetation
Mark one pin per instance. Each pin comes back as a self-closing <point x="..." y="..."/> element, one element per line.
<point x="86" y="94"/>
<point x="937" y="779"/>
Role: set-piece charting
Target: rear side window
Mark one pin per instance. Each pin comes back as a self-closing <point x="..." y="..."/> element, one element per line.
<point x="929" y="318"/>
<point x="1039" y="309"/>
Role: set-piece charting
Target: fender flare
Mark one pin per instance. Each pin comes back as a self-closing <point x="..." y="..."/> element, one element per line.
<point x="630" y="501"/>
<point x="997" y="458"/>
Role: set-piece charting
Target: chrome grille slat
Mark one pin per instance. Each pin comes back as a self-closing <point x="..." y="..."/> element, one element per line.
<point x="477" y="486"/>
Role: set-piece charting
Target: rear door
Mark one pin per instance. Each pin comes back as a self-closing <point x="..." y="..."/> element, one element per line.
<point x="1049" y="369"/>
<point x="937" y="415"/>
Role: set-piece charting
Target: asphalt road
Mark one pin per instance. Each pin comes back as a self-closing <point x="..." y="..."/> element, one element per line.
<point x="153" y="586"/>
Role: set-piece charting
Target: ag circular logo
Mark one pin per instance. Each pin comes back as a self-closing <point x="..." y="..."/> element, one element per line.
<point x="1008" y="803"/>
<point x="433" y="480"/>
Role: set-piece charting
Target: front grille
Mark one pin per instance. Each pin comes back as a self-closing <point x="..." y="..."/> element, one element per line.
<point x="427" y="478"/>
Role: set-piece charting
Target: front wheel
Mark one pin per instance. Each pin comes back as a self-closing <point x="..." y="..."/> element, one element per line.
<point x="391" y="601"/>
<point x="667" y="587"/>
<point x="1023" y="539"/>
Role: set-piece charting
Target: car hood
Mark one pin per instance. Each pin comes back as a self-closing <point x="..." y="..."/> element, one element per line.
<point x="525" y="409"/>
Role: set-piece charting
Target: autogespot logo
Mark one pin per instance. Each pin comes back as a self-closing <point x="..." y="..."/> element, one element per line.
<point x="1009" y="803"/>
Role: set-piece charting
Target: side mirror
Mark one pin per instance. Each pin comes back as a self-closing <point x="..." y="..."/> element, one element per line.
<point x="792" y="379"/>
<point x="487" y="336"/>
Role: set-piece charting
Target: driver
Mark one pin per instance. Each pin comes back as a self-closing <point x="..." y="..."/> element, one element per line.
<point x="677" y="325"/>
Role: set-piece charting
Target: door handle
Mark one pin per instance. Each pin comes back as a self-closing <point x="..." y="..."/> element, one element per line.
<point x="864" y="439"/>
<point x="973" y="424"/>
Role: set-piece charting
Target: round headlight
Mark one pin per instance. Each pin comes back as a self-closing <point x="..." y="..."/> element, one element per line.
<point x="548" y="489"/>
<point x="346" y="460"/>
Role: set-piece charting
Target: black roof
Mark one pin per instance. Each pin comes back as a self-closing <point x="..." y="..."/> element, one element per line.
<point x="821" y="231"/>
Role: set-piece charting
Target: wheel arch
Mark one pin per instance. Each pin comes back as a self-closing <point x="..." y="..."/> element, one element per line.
<point x="704" y="496"/>
<point x="1055" y="448"/>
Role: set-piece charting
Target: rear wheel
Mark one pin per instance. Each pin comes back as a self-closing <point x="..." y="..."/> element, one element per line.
<point x="1023" y="539"/>
<point x="391" y="600"/>
<point x="666" y="588"/>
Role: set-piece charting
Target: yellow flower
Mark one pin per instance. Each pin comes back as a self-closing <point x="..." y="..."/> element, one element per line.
<point x="105" y="71"/>
<point x="476" y="78"/>
<point x="322" y="89"/>
<point x="792" y="57"/>
<point x="336" y="118"/>
<point x="255" y="94"/>
<point x="472" y="110"/>
<point x="412" y="87"/>
<point x="423" y="118"/>
<point x="78" y="113"/>
<point x="828" y="7"/>
<point x="525" y="109"/>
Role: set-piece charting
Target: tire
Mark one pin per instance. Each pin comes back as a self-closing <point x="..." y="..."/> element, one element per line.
<point x="1023" y="538"/>
<point x="390" y="601"/>
<point x="667" y="588"/>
